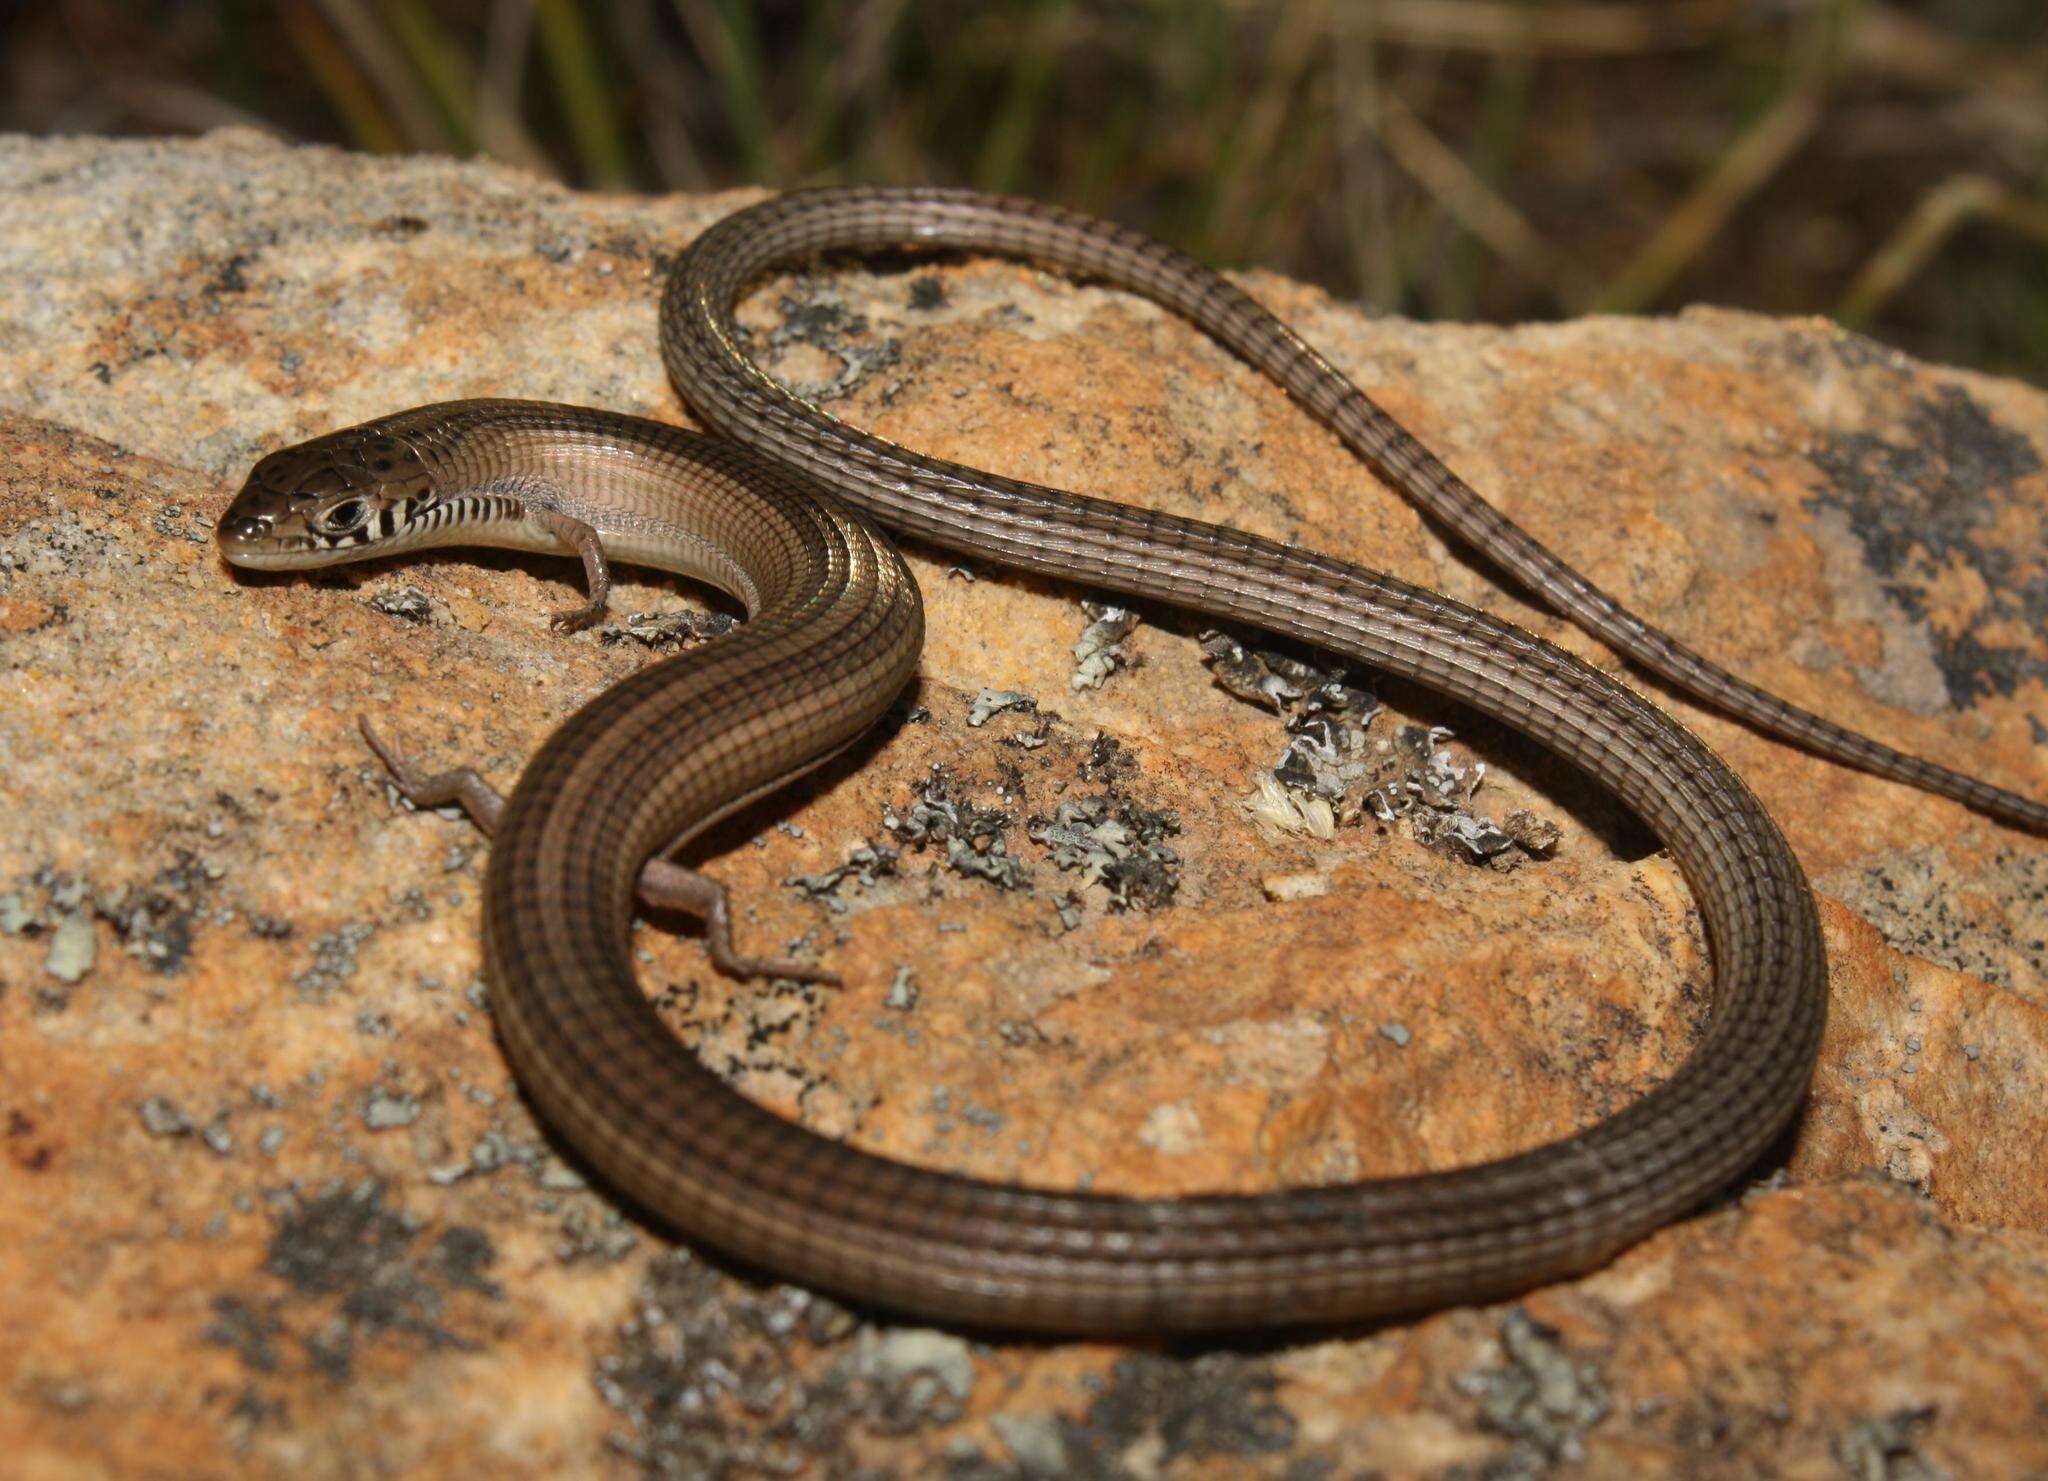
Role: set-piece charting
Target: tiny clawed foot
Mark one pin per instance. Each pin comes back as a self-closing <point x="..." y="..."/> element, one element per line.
<point x="674" y="887"/>
<point x="796" y="971"/>
<point x="575" y="619"/>
<point x="460" y="786"/>
<point x="719" y="938"/>
<point x="775" y="966"/>
<point x="403" y="775"/>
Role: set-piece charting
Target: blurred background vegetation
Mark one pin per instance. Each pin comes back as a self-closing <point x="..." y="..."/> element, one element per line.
<point x="1882" y="161"/>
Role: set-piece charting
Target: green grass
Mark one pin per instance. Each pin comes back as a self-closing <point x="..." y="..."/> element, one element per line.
<point x="1448" y="158"/>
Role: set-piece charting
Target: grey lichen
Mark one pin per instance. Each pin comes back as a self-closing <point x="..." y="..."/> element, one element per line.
<point x="1333" y="773"/>
<point x="408" y="604"/>
<point x="357" y="1277"/>
<point x="992" y="702"/>
<point x="334" y="962"/>
<point x="667" y="630"/>
<point x="16" y="919"/>
<point x="1219" y="1413"/>
<point x="1539" y="1398"/>
<point x="864" y="866"/>
<point x="1117" y="844"/>
<point x="711" y="1376"/>
<point x="1887" y="1449"/>
<point x="385" y="1109"/>
<point x="1034" y="1442"/>
<point x="1289" y="686"/>
<point x="161" y="1117"/>
<point x="970" y="835"/>
<point x="812" y="318"/>
<point x="993" y="863"/>
<point x="1099" y="651"/>
<point x="1929" y="508"/>
<point x="923" y="1357"/>
<point x="72" y="950"/>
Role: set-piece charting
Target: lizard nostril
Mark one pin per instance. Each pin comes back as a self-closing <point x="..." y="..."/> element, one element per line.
<point x="248" y="527"/>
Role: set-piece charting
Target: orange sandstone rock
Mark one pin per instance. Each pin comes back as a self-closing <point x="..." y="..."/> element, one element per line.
<point x="269" y="1200"/>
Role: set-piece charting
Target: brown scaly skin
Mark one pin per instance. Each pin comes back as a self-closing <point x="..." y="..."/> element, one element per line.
<point x="833" y="634"/>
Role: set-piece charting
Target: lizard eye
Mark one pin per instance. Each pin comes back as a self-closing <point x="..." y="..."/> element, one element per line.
<point x="344" y="517"/>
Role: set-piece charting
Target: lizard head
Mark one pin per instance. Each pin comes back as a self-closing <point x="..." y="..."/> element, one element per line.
<point x="347" y="496"/>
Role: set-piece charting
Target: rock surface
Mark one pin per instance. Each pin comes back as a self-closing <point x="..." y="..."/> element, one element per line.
<point x="269" y="1200"/>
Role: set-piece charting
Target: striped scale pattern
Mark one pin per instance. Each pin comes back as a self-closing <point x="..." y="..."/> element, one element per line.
<point x="921" y="1241"/>
<point x="777" y="516"/>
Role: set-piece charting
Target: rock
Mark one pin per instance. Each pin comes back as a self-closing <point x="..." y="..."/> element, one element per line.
<point x="72" y="949"/>
<point x="409" y="1278"/>
<point x="908" y="1351"/>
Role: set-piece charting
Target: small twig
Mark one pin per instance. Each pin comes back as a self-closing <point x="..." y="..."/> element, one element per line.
<point x="1514" y="26"/>
<point x="337" y="76"/>
<point x="729" y="47"/>
<point x="508" y="42"/>
<point x="1250" y="133"/>
<point x="1362" y="179"/>
<point x="1753" y="159"/>
<point x="174" y="106"/>
<point x="1032" y="63"/>
<point x="445" y="74"/>
<point x="1892" y="130"/>
<point x="364" y="35"/>
<point x="588" y="101"/>
<point x="1957" y="200"/>
<point x="664" y="100"/>
<point x="1503" y="111"/>
<point x="1889" y="42"/>
<point x="1698" y="218"/>
<point x="1479" y="208"/>
<point x="860" y="70"/>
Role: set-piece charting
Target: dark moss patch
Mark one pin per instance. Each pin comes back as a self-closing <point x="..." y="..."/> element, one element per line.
<point x="1216" y="1405"/>
<point x="349" y="1258"/>
<point x="1925" y="506"/>
<point x="25" y="1149"/>
<point x="1540" y="1397"/>
<point x="811" y="316"/>
<point x="703" y="1377"/>
<point x="1116" y="843"/>
<point x="1887" y="1445"/>
<point x="972" y="836"/>
<point x="247" y="1331"/>
<point x="461" y="1256"/>
<point x="339" y="1241"/>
